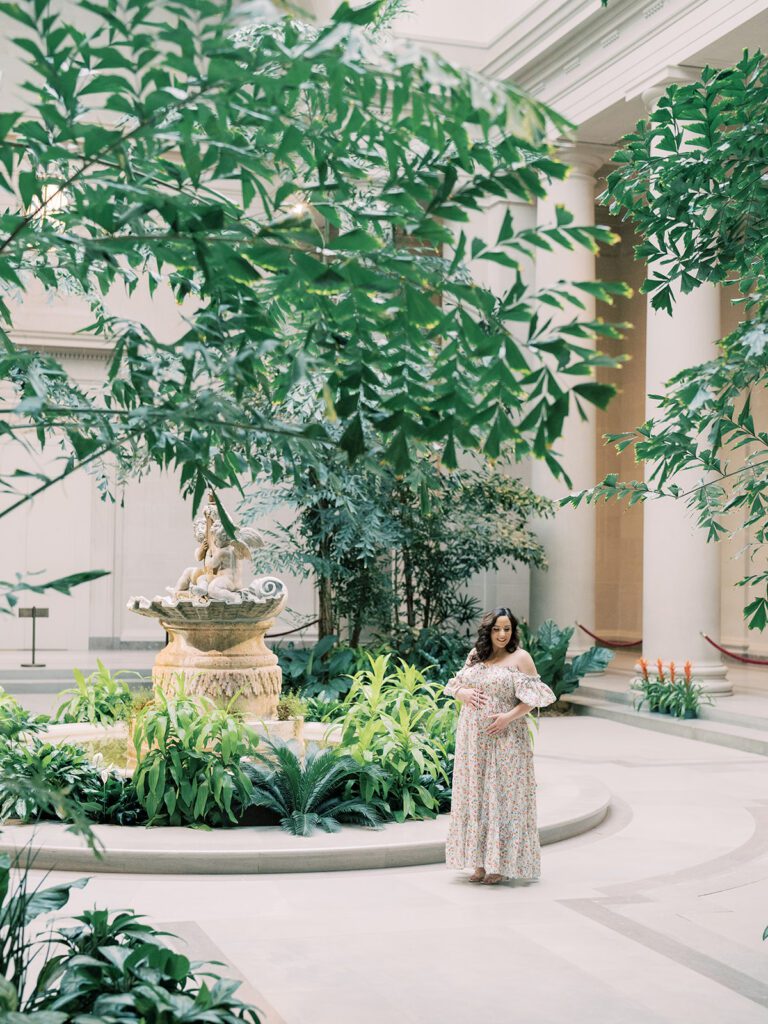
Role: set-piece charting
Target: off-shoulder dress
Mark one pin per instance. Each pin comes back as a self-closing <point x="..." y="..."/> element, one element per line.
<point x="493" y="811"/>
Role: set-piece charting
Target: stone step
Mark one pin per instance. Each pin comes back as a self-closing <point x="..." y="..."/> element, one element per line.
<point x="55" y="680"/>
<point x="753" y="740"/>
<point x="718" y="712"/>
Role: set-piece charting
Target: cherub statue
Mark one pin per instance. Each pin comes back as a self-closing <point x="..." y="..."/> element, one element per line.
<point x="192" y="573"/>
<point x="228" y="563"/>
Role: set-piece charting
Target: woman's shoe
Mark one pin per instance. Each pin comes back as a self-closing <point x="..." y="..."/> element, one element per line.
<point x="478" y="876"/>
<point x="492" y="879"/>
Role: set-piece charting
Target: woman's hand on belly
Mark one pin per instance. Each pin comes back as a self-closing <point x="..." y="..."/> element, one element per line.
<point x="472" y="697"/>
<point x="497" y="724"/>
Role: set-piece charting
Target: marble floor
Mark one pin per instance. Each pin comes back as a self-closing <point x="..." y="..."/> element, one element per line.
<point x="655" y="916"/>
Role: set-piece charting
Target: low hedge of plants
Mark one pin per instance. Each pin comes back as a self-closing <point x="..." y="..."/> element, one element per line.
<point x="200" y="765"/>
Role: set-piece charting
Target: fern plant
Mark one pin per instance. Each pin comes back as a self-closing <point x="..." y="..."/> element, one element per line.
<point x="321" y="792"/>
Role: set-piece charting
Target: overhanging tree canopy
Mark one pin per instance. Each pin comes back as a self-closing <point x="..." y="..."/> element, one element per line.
<point x="267" y="173"/>
<point x="692" y="178"/>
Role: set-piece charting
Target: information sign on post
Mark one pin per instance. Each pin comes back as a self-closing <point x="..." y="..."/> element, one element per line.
<point x="33" y="613"/>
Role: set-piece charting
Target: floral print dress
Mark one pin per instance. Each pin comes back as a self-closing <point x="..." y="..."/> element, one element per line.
<point x="493" y="812"/>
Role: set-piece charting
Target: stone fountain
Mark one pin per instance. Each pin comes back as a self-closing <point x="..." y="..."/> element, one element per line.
<point x="216" y="617"/>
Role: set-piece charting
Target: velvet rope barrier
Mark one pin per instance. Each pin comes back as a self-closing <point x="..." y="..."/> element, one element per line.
<point x="610" y="643"/>
<point x="287" y="632"/>
<point x="732" y="654"/>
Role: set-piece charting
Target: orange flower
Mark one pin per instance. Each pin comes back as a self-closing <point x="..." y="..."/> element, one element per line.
<point x="687" y="669"/>
<point x="671" y="671"/>
<point x="660" y="669"/>
<point x="644" y="669"/>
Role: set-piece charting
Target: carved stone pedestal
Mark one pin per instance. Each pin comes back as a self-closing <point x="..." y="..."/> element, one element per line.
<point x="218" y="649"/>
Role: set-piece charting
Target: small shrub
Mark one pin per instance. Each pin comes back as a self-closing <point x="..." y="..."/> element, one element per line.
<point x="394" y="718"/>
<point x="289" y="706"/>
<point x="548" y="647"/>
<point x="324" y="670"/>
<point x="15" y="719"/>
<point x="437" y="647"/>
<point x="102" y="698"/>
<point x="322" y="792"/>
<point x="106" y="967"/>
<point x="189" y="769"/>
<point x="318" y="709"/>
<point x="88" y="790"/>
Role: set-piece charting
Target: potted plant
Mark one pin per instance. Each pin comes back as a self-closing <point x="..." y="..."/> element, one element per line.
<point x="689" y="695"/>
<point x="649" y="689"/>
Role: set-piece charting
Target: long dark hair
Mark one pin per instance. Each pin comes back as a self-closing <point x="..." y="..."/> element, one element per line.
<point x="483" y="645"/>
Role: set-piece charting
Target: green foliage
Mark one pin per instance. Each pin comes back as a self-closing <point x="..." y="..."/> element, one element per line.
<point x="322" y="792"/>
<point x="40" y="780"/>
<point x="394" y="718"/>
<point x="355" y="171"/>
<point x="18" y="908"/>
<point x="680" y="697"/>
<point x="115" y="968"/>
<point x="323" y="670"/>
<point x="548" y="647"/>
<point x="318" y="709"/>
<point x="101" y="698"/>
<point x="436" y="647"/>
<point x="290" y="706"/>
<point x="10" y="589"/>
<point x="382" y="547"/>
<point x="111" y="968"/>
<point x="691" y="179"/>
<point x="189" y="769"/>
<point x="15" y="719"/>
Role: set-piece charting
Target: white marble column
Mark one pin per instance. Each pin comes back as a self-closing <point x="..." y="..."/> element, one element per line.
<point x="566" y="591"/>
<point x="681" y="571"/>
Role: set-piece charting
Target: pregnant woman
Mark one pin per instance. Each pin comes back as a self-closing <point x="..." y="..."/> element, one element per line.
<point x="493" y="826"/>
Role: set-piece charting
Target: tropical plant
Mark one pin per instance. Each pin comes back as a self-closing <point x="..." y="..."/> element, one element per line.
<point x="435" y="647"/>
<point x="18" y="950"/>
<point x="455" y="525"/>
<point x="110" y="968"/>
<point x="189" y="754"/>
<point x="62" y="767"/>
<point x="396" y="719"/>
<point x="323" y="670"/>
<point x="648" y="688"/>
<point x="392" y="552"/>
<point x="42" y="780"/>
<point x="117" y="969"/>
<point x="548" y="647"/>
<point x="101" y="698"/>
<point x="15" y="718"/>
<point x="667" y="692"/>
<point x="321" y="792"/>
<point x="691" y="180"/>
<point x="321" y="710"/>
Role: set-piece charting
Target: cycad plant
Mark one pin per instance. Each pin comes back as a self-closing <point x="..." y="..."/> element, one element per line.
<point x="321" y="792"/>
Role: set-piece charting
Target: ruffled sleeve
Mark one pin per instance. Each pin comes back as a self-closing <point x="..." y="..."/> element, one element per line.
<point x="531" y="690"/>
<point x="457" y="681"/>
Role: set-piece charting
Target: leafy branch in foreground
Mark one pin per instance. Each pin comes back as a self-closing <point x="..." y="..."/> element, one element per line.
<point x="10" y="589"/>
<point x="301" y="193"/>
<point x="692" y="179"/>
